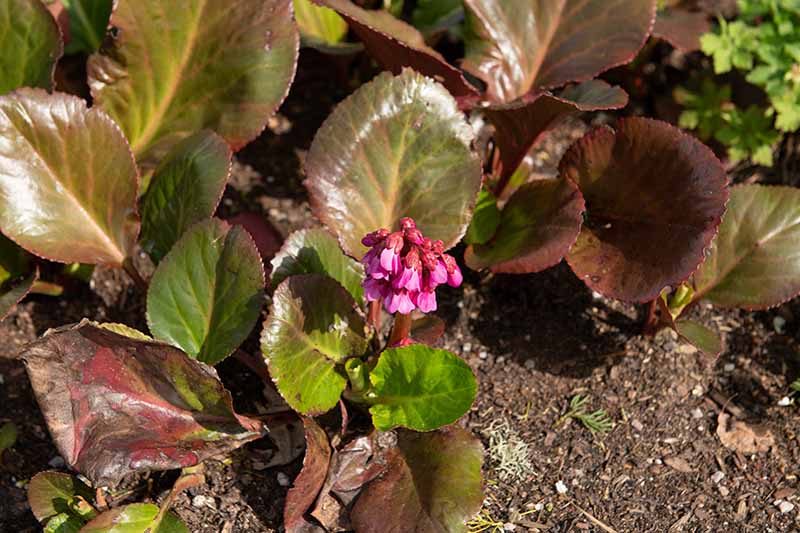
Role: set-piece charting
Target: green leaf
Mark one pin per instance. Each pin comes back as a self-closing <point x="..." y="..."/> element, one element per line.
<point x="52" y="493"/>
<point x="420" y="388"/>
<point x="170" y="72"/>
<point x="13" y="296"/>
<point x="319" y="24"/>
<point x="186" y="188"/>
<point x="8" y="436"/>
<point x="122" y="329"/>
<point x="754" y="262"/>
<point x="68" y="182"/>
<point x="135" y="518"/>
<point x="699" y="336"/>
<point x="435" y="14"/>
<point x="485" y="219"/>
<point x="63" y="523"/>
<point x="207" y="293"/>
<point x="313" y="325"/>
<point x="13" y="260"/>
<point x="432" y="482"/>
<point x="315" y="251"/>
<point x="537" y="227"/>
<point x="398" y="147"/>
<point x="518" y="46"/>
<point x="88" y="20"/>
<point x="30" y="45"/>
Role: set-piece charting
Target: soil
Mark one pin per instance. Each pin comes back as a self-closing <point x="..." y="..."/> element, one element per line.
<point x="534" y="342"/>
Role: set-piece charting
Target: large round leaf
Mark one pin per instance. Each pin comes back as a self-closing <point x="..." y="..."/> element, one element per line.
<point x="420" y="388"/>
<point x="186" y="188"/>
<point x="88" y="20"/>
<point x="313" y="325"/>
<point x="175" y="68"/>
<point x="398" y="147"/>
<point x="50" y="493"/>
<point x="755" y="260"/>
<point x="68" y="181"/>
<point x="30" y="45"/>
<point x="517" y="46"/>
<point x="315" y="251"/>
<point x="205" y="297"/>
<point x="432" y="482"/>
<point x="654" y="199"/>
<point x="537" y="227"/>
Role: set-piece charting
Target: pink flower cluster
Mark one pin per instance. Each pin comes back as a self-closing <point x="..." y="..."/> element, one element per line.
<point x="404" y="268"/>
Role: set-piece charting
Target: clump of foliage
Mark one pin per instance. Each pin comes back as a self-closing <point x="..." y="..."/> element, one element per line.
<point x="595" y="421"/>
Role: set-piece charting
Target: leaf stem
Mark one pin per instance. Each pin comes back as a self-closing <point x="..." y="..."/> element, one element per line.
<point x="401" y="329"/>
<point x="131" y="270"/>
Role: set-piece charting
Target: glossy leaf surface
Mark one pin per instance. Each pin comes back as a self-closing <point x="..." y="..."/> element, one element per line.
<point x="432" y="482"/>
<point x="755" y="260"/>
<point x="309" y="481"/>
<point x="699" y="336"/>
<point x="88" y="20"/>
<point x="50" y="494"/>
<point x="395" y="45"/>
<point x="116" y="405"/>
<point x="517" y="46"/>
<point x="206" y="296"/>
<point x="538" y="225"/>
<point x="319" y="24"/>
<point x="313" y="324"/>
<point x="174" y="69"/>
<point x="135" y="518"/>
<point x="485" y="219"/>
<point x="681" y="28"/>
<point x="398" y="147"/>
<point x="68" y="182"/>
<point x="427" y="330"/>
<point x="186" y="188"/>
<point x="315" y="251"/>
<point x="654" y="199"/>
<point x="520" y="125"/>
<point x="16" y="293"/>
<point x="420" y="388"/>
<point x="30" y="45"/>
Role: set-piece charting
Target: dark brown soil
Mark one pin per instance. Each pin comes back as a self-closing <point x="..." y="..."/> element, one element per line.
<point x="534" y="341"/>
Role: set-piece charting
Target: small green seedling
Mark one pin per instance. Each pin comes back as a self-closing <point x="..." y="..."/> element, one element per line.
<point x="596" y="422"/>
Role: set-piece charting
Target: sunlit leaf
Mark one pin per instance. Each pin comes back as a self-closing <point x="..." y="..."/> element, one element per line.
<point x="16" y="293"/>
<point x="755" y="260"/>
<point x="520" y="125"/>
<point x="654" y="199"/>
<point x="432" y="482"/>
<point x="176" y="68"/>
<point x="186" y="188"/>
<point x="699" y="336"/>
<point x="315" y="251"/>
<point x="116" y="405"/>
<point x="420" y="388"/>
<point x="313" y="324"/>
<point x="68" y="182"/>
<point x="518" y="46"/>
<point x="88" y="20"/>
<point x="30" y="45"/>
<point x="50" y="494"/>
<point x="207" y="293"/>
<point x="398" y="147"/>
<point x="538" y="225"/>
<point x="309" y="481"/>
<point x="395" y="45"/>
<point x="136" y="518"/>
<point x="319" y="24"/>
<point x="485" y="219"/>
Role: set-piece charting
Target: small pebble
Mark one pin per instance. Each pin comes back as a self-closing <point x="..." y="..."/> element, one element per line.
<point x="717" y="476"/>
<point x="785" y="401"/>
<point x="538" y="506"/>
<point x="560" y="487"/>
<point x="778" y="323"/>
<point x="508" y="526"/>
<point x="729" y="367"/>
<point x="785" y="507"/>
<point x="283" y="479"/>
<point x="467" y="347"/>
<point x="56" y="462"/>
<point x="697" y="413"/>
<point x="202" y="500"/>
<point x="637" y="425"/>
<point x="698" y="390"/>
<point x="723" y="491"/>
<point x="483" y="354"/>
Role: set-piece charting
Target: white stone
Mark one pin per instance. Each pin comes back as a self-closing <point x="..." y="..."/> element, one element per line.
<point x="483" y="354"/>
<point x="785" y="507"/>
<point x="202" y="500"/>
<point x="717" y="476"/>
<point x="697" y="413"/>
<point x="561" y="488"/>
<point x="785" y="401"/>
<point x="729" y="367"/>
<point x="283" y="479"/>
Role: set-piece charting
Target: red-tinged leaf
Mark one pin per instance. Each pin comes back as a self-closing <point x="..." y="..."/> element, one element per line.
<point x="30" y="45"/>
<point x="538" y="225"/>
<point x="116" y="404"/>
<point x="432" y="482"/>
<point x="522" y="124"/>
<point x="68" y="181"/>
<point x="654" y="199"/>
<point x="16" y="293"/>
<point x="519" y="46"/>
<point x="754" y="262"/>
<point x="175" y="68"/>
<point x="397" y="147"/>
<point x="681" y="28"/>
<point x="309" y="481"/>
<point x="266" y="236"/>
<point x="395" y="44"/>
<point x="186" y="188"/>
<point x="427" y="330"/>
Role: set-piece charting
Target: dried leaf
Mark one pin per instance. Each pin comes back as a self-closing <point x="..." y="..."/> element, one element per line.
<point x="742" y="437"/>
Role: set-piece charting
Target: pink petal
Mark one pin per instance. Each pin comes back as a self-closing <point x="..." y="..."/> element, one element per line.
<point x="400" y="281"/>
<point x="405" y="305"/>
<point x="374" y="289"/>
<point x="455" y="278"/>
<point x="439" y="274"/>
<point x="426" y="301"/>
